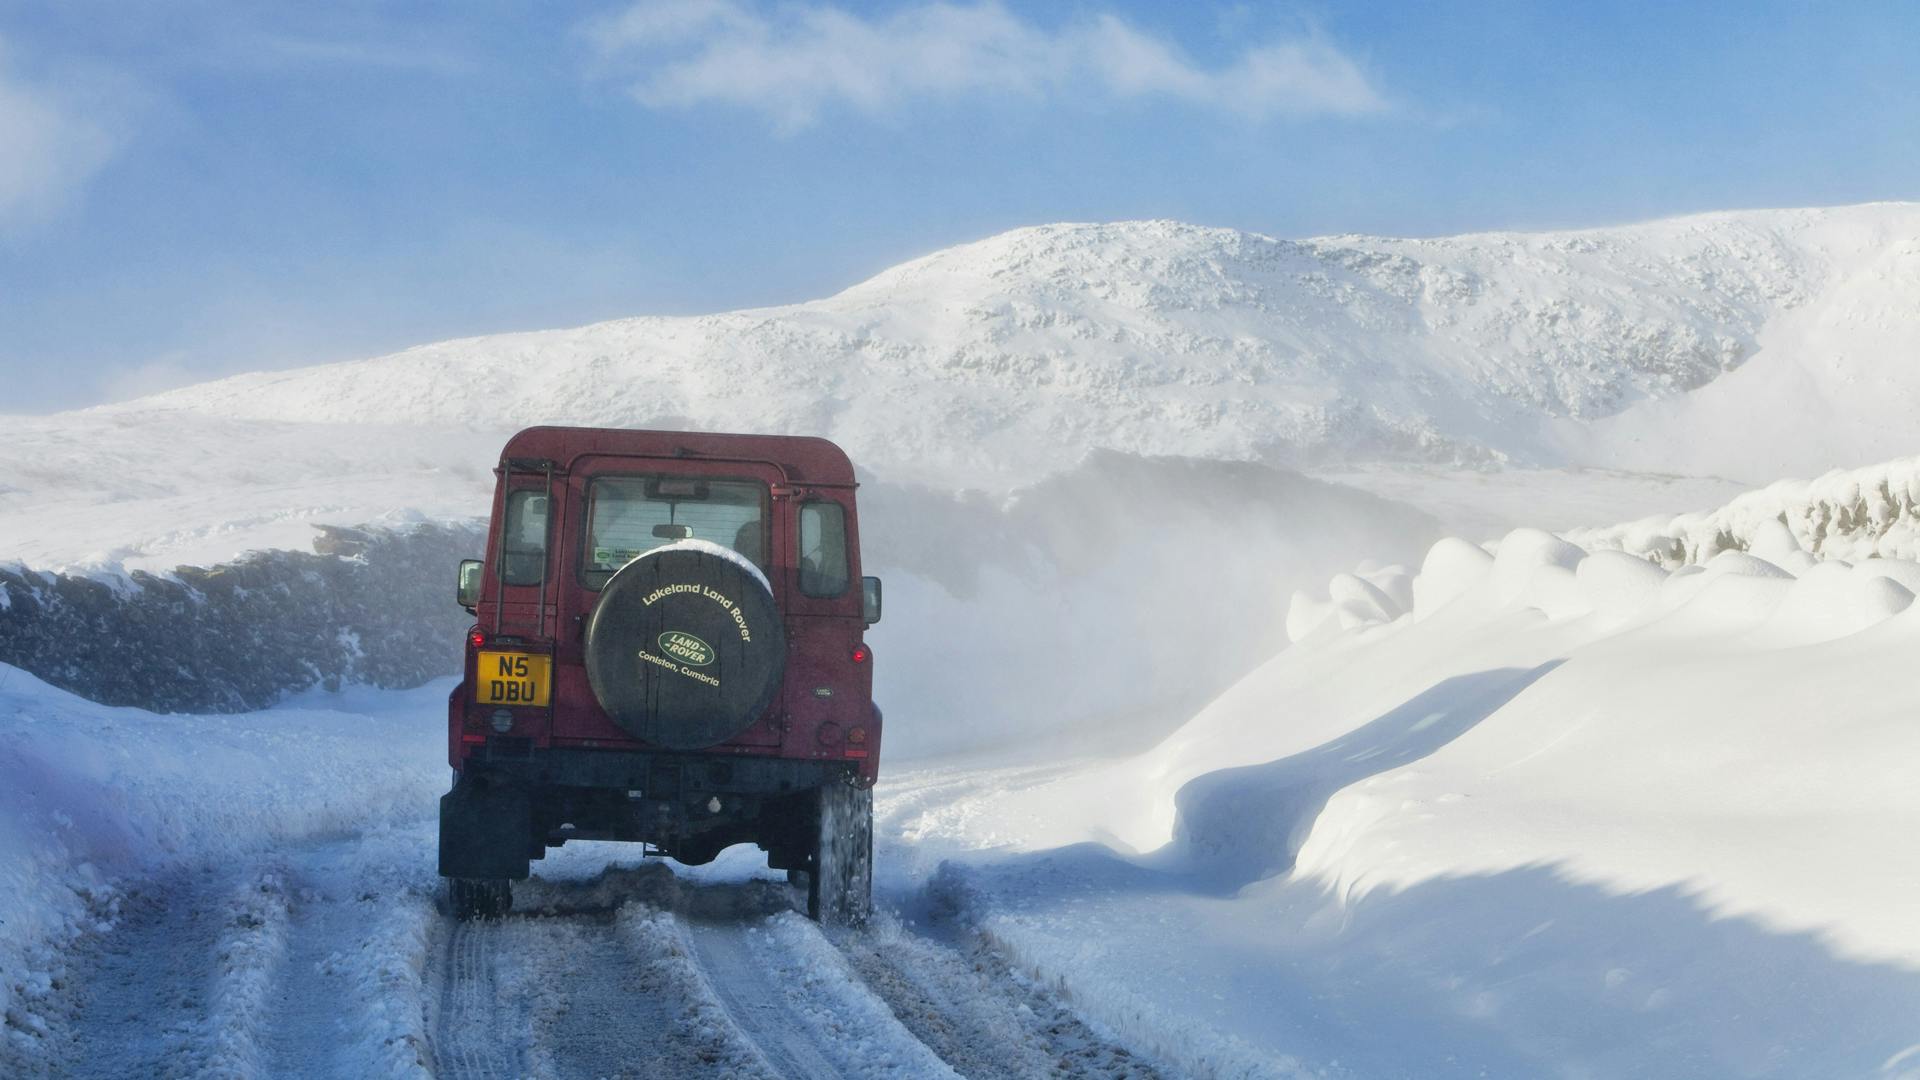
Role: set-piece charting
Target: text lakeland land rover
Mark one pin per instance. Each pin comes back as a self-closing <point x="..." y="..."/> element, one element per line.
<point x="668" y="649"/>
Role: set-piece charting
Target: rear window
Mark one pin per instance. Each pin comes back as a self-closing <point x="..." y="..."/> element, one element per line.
<point x="628" y="516"/>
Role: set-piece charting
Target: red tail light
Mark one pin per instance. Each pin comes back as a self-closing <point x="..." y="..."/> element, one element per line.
<point x="477" y="638"/>
<point x="860" y="654"/>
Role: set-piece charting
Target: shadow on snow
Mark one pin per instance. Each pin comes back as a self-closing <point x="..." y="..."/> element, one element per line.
<point x="1524" y="972"/>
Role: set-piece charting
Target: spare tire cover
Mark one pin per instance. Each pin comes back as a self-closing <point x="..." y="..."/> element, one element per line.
<point x="685" y="648"/>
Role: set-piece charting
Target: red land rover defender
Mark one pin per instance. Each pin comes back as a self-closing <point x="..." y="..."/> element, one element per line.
<point x="668" y="649"/>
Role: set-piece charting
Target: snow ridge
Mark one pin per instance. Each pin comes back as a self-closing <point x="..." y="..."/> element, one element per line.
<point x="1866" y="513"/>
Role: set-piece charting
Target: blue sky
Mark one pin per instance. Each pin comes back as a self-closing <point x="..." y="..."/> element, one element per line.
<point x="193" y="189"/>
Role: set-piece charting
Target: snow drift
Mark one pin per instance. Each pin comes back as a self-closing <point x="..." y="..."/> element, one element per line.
<point x="1555" y="811"/>
<point x="1865" y="513"/>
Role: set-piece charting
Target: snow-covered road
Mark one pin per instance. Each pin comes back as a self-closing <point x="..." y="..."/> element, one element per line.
<point x="333" y="959"/>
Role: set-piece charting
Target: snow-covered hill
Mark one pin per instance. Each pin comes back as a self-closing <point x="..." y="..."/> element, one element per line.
<point x="990" y="361"/>
<point x="1751" y="344"/>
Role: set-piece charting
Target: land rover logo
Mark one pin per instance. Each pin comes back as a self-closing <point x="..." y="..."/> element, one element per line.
<point x="686" y="648"/>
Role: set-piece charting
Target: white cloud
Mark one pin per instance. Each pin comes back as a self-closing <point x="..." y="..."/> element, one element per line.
<point x="794" y="61"/>
<point x="47" y="149"/>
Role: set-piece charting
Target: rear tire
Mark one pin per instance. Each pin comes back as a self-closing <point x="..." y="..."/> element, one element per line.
<point x="840" y="881"/>
<point x="479" y="898"/>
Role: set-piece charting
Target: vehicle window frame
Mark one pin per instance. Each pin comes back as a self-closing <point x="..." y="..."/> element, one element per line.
<point x="521" y="495"/>
<point x="799" y="545"/>
<point x="584" y="574"/>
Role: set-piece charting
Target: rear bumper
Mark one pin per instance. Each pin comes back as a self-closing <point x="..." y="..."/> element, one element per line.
<point x="655" y="775"/>
<point x="512" y="802"/>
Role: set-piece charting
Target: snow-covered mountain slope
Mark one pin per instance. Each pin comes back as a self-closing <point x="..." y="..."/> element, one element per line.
<point x="153" y="490"/>
<point x="1834" y="382"/>
<point x="997" y="363"/>
<point x="1538" y="812"/>
<point x="1698" y="344"/>
<point x="986" y="362"/>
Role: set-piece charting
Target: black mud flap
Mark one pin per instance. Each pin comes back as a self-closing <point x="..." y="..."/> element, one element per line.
<point x="483" y="830"/>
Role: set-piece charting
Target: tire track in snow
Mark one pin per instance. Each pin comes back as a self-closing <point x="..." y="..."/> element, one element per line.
<point x="181" y="985"/>
<point x="756" y="1009"/>
<point x="967" y="1004"/>
<point x="795" y="996"/>
<point x="614" y="996"/>
<point x="308" y="963"/>
<point x="330" y="961"/>
<point x="350" y="998"/>
<point x="585" y="979"/>
<point x="726" y="979"/>
<point x="141" y="985"/>
<point x="472" y="1021"/>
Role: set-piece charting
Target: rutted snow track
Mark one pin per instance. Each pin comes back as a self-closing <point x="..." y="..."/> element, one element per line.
<point x="330" y="959"/>
<point x="638" y="973"/>
<point x="304" y="963"/>
<point x="470" y="1040"/>
<point x="175" y="990"/>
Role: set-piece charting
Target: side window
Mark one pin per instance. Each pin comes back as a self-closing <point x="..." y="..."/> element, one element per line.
<point x="823" y="549"/>
<point x="524" y="553"/>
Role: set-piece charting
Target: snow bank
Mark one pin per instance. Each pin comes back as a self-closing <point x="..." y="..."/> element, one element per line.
<point x="1865" y="513"/>
<point x="92" y="796"/>
<point x="1577" y="815"/>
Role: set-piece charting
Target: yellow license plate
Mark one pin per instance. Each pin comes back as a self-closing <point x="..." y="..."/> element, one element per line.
<point x="511" y="678"/>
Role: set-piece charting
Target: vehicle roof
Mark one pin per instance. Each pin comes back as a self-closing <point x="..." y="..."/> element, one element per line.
<point x="804" y="458"/>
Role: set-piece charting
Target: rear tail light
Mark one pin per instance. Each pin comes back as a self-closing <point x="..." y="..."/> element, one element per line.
<point x="477" y="638"/>
<point x="860" y="654"/>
